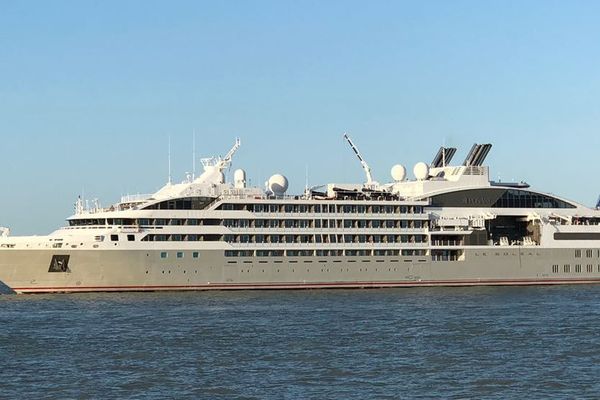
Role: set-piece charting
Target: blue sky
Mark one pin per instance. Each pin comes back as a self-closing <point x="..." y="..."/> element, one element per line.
<point x="91" y="90"/>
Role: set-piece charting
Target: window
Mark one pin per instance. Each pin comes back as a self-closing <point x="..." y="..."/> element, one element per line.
<point x="578" y="268"/>
<point x="114" y="238"/>
<point x="497" y="198"/>
<point x="189" y="203"/>
<point x="577" y="253"/>
<point x="567" y="268"/>
<point x="180" y="254"/>
<point x="589" y="253"/>
<point x="164" y="254"/>
<point x="195" y="254"/>
<point x="555" y="268"/>
<point x="130" y="238"/>
<point x="590" y="268"/>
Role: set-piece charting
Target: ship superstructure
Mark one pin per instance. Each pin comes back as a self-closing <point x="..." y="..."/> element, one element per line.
<point x="450" y="225"/>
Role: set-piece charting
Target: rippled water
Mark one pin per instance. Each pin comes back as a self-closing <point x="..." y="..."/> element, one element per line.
<point x="528" y="342"/>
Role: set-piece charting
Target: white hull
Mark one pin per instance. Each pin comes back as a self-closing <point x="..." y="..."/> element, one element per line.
<point x="26" y="271"/>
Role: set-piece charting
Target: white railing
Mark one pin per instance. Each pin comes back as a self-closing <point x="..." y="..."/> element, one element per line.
<point x="131" y="198"/>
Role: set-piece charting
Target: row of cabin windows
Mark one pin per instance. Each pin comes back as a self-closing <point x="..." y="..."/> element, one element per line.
<point x="578" y="268"/>
<point x="138" y="222"/>
<point x="181" y="238"/>
<point x="285" y="238"/>
<point x="253" y="223"/>
<point x="325" y="238"/>
<point x="179" y="254"/>
<point x="324" y="208"/>
<point x="324" y="253"/>
<point x="325" y="223"/>
<point x="589" y="253"/>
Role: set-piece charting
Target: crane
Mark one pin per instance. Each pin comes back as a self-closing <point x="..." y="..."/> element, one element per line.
<point x="214" y="166"/>
<point x="219" y="163"/>
<point x="364" y="164"/>
<point x="224" y="162"/>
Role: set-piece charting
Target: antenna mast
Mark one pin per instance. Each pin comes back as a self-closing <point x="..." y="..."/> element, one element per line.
<point x="169" y="182"/>
<point x="364" y="164"/>
<point x="194" y="155"/>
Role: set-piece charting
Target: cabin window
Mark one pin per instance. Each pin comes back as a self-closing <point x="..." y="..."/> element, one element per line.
<point x="130" y="238"/>
<point x="114" y="238"/>
<point x="164" y="254"/>
<point x="180" y="254"/>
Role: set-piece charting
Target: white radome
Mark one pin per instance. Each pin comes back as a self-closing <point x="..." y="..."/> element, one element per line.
<point x="239" y="178"/>
<point x="421" y="171"/>
<point x="278" y="184"/>
<point x="398" y="173"/>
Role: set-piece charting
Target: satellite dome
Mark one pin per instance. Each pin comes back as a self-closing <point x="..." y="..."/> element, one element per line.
<point x="239" y="178"/>
<point x="278" y="184"/>
<point x="421" y="171"/>
<point x="398" y="173"/>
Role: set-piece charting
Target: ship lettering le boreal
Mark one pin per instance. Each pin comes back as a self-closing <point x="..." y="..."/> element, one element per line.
<point x="449" y="226"/>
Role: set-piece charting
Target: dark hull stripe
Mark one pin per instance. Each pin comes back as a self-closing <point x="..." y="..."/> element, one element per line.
<point x="316" y="285"/>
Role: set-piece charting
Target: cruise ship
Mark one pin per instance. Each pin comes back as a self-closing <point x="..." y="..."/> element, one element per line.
<point x="446" y="225"/>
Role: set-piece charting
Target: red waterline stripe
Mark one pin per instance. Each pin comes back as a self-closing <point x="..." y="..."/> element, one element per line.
<point x="218" y="286"/>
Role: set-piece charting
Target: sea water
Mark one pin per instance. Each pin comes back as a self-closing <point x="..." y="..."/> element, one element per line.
<point x="487" y="342"/>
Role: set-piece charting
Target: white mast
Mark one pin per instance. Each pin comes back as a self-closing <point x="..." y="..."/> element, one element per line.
<point x="194" y="155"/>
<point x="364" y="164"/>
<point x="169" y="181"/>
